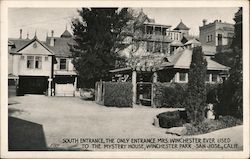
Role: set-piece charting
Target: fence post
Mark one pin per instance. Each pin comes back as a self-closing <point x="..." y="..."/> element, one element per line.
<point x="155" y="77"/>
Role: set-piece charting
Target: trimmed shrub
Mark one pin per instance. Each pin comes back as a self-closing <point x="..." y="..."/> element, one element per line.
<point x="118" y="94"/>
<point x="211" y="125"/>
<point x="172" y="119"/>
<point x="169" y="95"/>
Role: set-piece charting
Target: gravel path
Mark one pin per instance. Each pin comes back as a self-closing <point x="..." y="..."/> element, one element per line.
<point x="69" y="117"/>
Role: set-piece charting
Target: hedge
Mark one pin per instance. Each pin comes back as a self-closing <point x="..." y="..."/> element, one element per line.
<point x="169" y="95"/>
<point x="118" y="94"/>
<point x="172" y="119"/>
<point x="172" y="95"/>
<point x="208" y="125"/>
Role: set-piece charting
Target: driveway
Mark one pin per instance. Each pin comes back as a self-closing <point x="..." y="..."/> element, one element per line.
<point x="73" y="118"/>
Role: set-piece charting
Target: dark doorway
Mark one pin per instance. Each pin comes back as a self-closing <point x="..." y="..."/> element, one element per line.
<point x="32" y="85"/>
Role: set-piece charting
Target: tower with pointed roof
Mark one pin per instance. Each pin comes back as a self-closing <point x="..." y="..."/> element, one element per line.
<point x="66" y="34"/>
<point x="182" y="28"/>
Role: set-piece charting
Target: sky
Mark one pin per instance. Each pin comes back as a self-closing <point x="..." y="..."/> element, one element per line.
<point x="43" y="20"/>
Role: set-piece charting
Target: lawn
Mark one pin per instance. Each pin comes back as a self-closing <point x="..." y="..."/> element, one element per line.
<point x="69" y="117"/>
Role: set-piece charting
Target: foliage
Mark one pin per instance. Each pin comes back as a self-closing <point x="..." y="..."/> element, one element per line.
<point x="118" y="94"/>
<point x="98" y="34"/>
<point x="225" y="58"/>
<point x="169" y="95"/>
<point x="195" y="100"/>
<point x="231" y="92"/>
<point x="172" y="119"/>
<point x="208" y="125"/>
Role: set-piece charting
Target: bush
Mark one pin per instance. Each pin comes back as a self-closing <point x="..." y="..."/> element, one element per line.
<point x="118" y="94"/>
<point x="172" y="119"/>
<point x="211" y="125"/>
<point x="169" y="95"/>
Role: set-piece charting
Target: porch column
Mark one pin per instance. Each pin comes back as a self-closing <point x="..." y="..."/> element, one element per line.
<point x="134" y="86"/>
<point x="75" y="86"/>
<point x="49" y="89"/>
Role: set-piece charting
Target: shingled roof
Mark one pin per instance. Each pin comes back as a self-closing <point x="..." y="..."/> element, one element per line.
<point x="61" y="46"/>
<point x="17" y="44"/>
<point x="183" y="60"/>
<point x="181" y="26"/>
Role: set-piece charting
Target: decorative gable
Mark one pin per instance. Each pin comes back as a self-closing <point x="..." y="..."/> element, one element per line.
<point x="35" y="47"/>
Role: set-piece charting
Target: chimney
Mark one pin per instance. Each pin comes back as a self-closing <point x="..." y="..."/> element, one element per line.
<point x="204" y="21"/>
<point x="52" y="41"/>
<point x="21" y="32"/>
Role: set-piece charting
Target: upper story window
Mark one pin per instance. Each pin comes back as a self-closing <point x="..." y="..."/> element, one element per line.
<point x="30" y="61"/>
<point x="34" y="62"/>
<point x="62" y="64"/>
<point x="209" y="38"/>
<point x="149" y="29"/>
<point x="38" y="62"/>
<point x="158" y="31"/>
<point x="164" y="31"/>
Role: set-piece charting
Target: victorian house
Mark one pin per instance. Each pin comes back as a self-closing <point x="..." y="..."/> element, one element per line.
<point x="41" y="67"/>
<point x="164" y="56"/>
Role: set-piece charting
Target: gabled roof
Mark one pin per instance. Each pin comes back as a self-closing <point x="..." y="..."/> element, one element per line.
<point x="179" y="60"/>
<point x="183" y="60"/>
<point x="181" y="26"/>
<point x="192" y="41"/>
<point x="31" y="41"/>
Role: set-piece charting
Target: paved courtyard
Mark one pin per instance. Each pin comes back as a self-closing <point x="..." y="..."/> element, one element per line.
<point x="68" y="117"/>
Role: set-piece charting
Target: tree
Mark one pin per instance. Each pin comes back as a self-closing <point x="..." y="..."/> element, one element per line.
<point x="195" y="101"/>
<point x="231" y="95"/>
<point x="98" y="36"/>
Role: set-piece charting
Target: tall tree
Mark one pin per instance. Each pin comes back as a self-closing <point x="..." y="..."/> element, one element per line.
<point x="195" y="101"/>
<point x="231" y="96"/>
<point x="98" y="36"/>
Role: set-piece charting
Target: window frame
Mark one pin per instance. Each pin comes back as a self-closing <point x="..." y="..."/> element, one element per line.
<point x="60" y="64"/>
<point x="39" y="60"/>
<point x="184" y="75"/>
<point x="30" y="62"/>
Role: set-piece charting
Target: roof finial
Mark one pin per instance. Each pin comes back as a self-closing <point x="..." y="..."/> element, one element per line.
<point x="181" y="20"/>
<point x="66" y="26"/>
<point x="35" y="35"/>
<point x="27" y="35"/>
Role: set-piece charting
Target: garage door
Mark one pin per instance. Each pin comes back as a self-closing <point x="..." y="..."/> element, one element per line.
<point x="32" y="85"/>
<point x="64" y="89"/>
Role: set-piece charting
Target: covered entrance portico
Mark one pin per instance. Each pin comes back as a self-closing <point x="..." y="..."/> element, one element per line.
<point x="142" y="80"/>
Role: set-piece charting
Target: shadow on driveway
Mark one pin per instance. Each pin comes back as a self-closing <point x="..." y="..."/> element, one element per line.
<point x="25" y="135"/>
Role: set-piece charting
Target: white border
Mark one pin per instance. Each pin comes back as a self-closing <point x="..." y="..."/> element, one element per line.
<point x="142" y="154"/>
